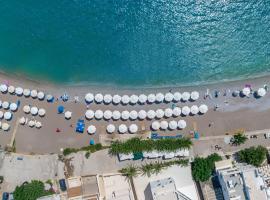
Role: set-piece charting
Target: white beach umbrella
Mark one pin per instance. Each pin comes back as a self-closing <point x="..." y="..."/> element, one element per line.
<point x="26" y="109"/>
<point x="11" y="89"/>
<point x="182" y="124"/>
<point x="134" y="99"/>
<point x="5" y="126"/>
<point x="176" y="111"/>
<point x="13" y="107"/>
<point x="261" y="92"/>
<point x="185" y="110"/>
<point x="34" y="110"/>
<point x="168" y="97"/>
<point x="173" y="125"/>
<point x="177" y="96"/>
<point x="110" y="128"/>
<point x="125" y="115"/>
<point x="155" y="125"/>
<point x="68" y="115"/>
<point x="194" y="110"/>
<point x="41" y="95"/>
<point x="203" y="108"/>
<point x="89" y="97"/>
<point x="159" y="113"/>
<point x="142" y="98"/>
<point x="108" y="98"/>
<point x="5" y="105"/>
<point x="151" y="98"/>
<point x="98" y="114"/>
<point x="246" y="91"/>
<point x="22" y="120"/>
<point x="164" y="125"/>
<point x="38" y="124"/>
<point x="185" y="96"/>
<point x="19" y="91"/>
<point x="91" y="129"/>
<point x="26" y="92"/>
<point x="133" y="115"/>
<point x="133" y="128"/>
<point x="3" y="88"/>
<point x="98" y="98"/>
<point x="168" y="112"/>
<point x="194" y="95"/>
<point x="151" y="114"/>
<point x="89" y="114"/>
<point x="33" y="93"/>
<point x="142" y="114"/>
<point x="1" y="114"/>
<point x="116" y="99"/>
<point x="31" y="123"/>
<point x="122" y="128"/>
<point x="107" y="114"/>
<point x="116" y="115"/>
<point x="41" y="112"/>
<point x="125" y="99"/>
<point x="159" y="97"/>
<point x="7" y="116"/>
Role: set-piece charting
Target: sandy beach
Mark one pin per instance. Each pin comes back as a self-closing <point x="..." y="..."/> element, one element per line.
<point x="234" y="113"/>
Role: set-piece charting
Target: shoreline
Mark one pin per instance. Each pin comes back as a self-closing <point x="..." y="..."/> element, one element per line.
<point x="226" y="83"/>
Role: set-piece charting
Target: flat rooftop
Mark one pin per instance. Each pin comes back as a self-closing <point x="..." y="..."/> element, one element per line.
<point x="181" y="176"/>
<point x="163" y="189"/>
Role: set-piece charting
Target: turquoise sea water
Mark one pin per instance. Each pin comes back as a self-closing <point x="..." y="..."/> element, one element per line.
<point x="135" y="42"/>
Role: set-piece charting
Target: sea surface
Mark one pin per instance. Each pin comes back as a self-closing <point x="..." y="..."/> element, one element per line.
<point x="135" y="42"/>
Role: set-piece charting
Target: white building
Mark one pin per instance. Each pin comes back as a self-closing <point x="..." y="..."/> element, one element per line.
<point x="242" y="182"/>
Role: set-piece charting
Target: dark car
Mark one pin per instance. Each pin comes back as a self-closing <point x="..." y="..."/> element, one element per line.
<point x="5" y="196"/>
<point x="62" y="184"/>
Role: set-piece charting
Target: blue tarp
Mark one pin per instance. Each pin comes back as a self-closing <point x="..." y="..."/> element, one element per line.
<point x="80" y="126"/>
<point x="60" y="109"/>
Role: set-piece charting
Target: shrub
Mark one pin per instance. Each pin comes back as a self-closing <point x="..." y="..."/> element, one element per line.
<point x="90" y="148"/>
<point x="30" y="191"/>
<point x="253" y="155"/>
<point x="239" y="139"/>
<point x="87" y="154"/>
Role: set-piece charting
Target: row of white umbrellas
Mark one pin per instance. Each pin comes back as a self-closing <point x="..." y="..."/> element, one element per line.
<point x="122" y="128"/>
<point x="20" y="91"/>
<point x="260" y="92"/>
<point x="31" y="123"/>
<point x="4" y="126"/>
<point x="172" y="125"/>
<point x="142" y="98"/>
<point x="5" y="115"/>
<point x="34" y="110"/>
<point x="6" y="105"/>
<point x="142" y="114"/>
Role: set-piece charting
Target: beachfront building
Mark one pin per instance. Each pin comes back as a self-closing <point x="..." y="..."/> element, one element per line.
<point x="174" y="183"/>
<point x="242" y="182"/>
<point x="74" y="191"/>
<point x="165" y="189"/>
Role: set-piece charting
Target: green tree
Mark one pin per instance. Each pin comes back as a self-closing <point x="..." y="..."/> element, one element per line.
<point x="31" y="191"/>
<point x="239" y="139"/>
<point x="253" y="155"/>
<point x="130" y="171"/>
<point x="201" y="170"/>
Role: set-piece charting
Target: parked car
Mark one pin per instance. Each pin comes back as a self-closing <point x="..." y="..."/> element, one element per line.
<point x="11" y="197"/>
<point x="5" y="196"/>
<point x="267" y="135"/>
<point x="63" y="185"/>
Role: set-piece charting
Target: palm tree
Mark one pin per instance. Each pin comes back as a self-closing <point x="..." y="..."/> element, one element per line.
<point x="157" y="167"/>
<point x="147" y="169"/>
<point x="130" y="171"/>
